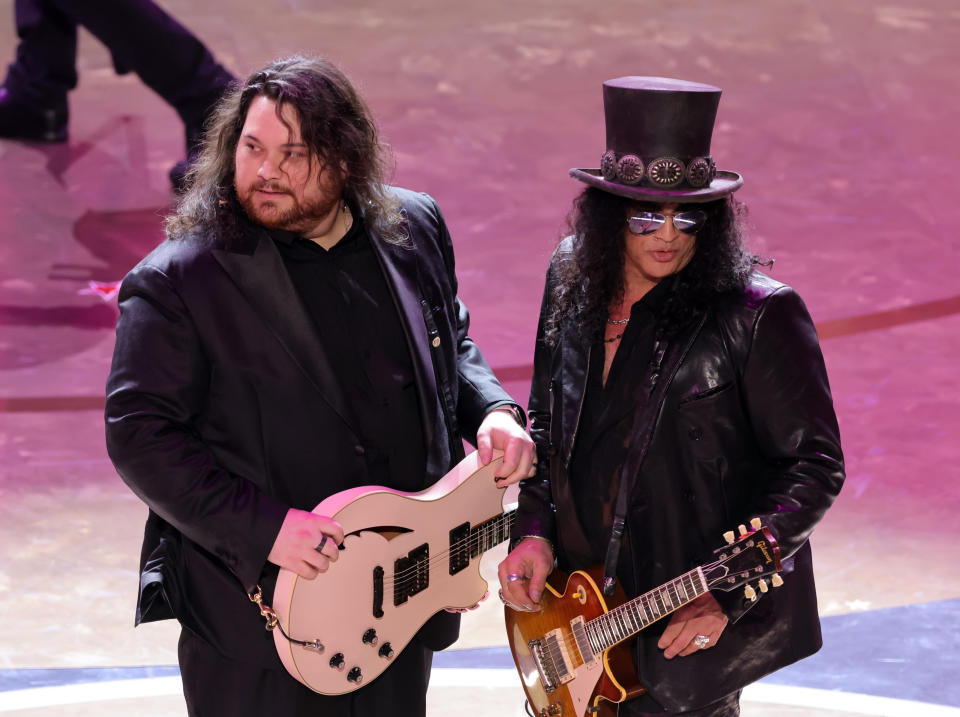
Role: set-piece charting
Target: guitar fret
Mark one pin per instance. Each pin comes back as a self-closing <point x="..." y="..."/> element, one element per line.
<point x="645" y="605"/>
<point x="661" y="610"/>
<point x="608" y="630"/>
<point x="668" y="598"/>
<point x="702" y="588"/>
<point x="673" y="595"/>
<point x="620" y="624"/>
<point x="490" y="533"/>
<point x="596" y="639"/>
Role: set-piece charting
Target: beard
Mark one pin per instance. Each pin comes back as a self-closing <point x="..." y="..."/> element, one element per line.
<point x="298" y="217"/>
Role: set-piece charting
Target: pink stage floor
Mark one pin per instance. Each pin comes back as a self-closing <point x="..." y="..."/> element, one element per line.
<point x="842" y="116"/>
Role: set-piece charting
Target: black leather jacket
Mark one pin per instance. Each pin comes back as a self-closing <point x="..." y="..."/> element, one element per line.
<point x="746" y="428"/>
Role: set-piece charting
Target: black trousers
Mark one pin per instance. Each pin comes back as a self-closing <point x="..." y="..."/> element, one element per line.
<point x="214" y="686"/>
<point x="141" y="37"/>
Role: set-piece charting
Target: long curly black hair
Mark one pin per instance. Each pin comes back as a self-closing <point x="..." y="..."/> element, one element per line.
<point x="590" y="277"/>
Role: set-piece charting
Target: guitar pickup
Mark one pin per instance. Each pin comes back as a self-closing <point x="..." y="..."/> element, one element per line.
<point x="411" y="574"/>
<point x="459" y="548"/>
<point x="378" y="591"/>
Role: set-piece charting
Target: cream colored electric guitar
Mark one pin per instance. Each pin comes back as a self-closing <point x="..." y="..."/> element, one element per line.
<point x="404" y="557"/>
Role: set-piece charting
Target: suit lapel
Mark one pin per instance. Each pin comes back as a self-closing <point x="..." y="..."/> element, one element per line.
<point x="399" y="265"/>
<point x="264" y="281"/>
<point x="575" y="360"/>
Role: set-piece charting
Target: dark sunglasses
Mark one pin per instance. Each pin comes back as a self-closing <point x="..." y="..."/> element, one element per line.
<point x="686" y="222"/>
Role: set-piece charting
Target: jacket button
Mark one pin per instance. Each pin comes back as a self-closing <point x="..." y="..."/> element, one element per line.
<point x="359" y="450"/>
<point x="695" y="433"/>
<point x="436" y="342"/>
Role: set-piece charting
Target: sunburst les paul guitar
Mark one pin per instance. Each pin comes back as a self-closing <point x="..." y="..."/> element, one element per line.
<point x="404" y="557"/>
<point x="571" y="654"/>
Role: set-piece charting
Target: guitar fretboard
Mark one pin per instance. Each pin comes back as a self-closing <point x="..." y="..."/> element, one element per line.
<point x="490" y="533"/>
<point x="607" y="630"/>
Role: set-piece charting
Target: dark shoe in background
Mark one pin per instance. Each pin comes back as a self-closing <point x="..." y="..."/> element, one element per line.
<point x="22" y="119"/>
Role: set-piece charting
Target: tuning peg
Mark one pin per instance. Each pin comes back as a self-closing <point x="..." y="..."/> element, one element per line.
<point x="776" y="580"/>
<point x="750" y="593"/>
<point x="755" y="523"/>
<point x="763" y="586"/>
<point x="742" y="529"/>
<point x="729" y="536"/>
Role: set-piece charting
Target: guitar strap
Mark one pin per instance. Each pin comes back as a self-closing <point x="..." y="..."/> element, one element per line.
<point x="667" y="357"/>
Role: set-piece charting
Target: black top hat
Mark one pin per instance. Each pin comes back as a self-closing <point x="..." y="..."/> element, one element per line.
<point x="658" y="142"/>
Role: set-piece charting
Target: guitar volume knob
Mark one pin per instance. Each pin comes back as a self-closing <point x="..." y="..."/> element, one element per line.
<point x="386" y="651"/>
<point x="370" y="637"/>
<point x="337" y="662"/>
<point x="355" y="675"/>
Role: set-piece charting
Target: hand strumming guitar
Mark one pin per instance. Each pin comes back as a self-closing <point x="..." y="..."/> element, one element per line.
<point x="524" y="572"/>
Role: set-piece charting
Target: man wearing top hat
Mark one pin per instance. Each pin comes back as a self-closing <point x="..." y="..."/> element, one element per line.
<point x="677" y="393"/>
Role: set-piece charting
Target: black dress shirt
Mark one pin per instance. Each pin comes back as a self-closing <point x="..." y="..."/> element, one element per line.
<point x="607" y="419"/>
<point x="346" y="294"/>
<point x="604" y="440"/>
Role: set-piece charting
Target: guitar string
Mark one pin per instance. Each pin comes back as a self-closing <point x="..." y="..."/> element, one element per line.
<point x="410" y="574"/>
<point x="603" y="632"/>
<point x="472" y="540"/>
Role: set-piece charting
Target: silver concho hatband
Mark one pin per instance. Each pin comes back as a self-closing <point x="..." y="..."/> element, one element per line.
<point x="663" y="172"/>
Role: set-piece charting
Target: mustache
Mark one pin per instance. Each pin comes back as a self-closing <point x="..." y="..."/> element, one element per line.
<point x="270" y="187"/>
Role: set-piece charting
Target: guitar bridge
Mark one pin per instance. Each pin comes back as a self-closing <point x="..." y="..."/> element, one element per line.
<point x="553" y="660"/>
<point x="548" y="676"/>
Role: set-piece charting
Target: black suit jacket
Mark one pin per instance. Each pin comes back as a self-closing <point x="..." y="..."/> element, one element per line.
<point x="745" y="428"/>
<point x="222" y="412"/>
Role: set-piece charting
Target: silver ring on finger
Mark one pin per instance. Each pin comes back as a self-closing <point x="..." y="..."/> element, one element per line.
<point x="514" y="577"/>
<point x="511" y="605"/>
<point x="701" y="641"/>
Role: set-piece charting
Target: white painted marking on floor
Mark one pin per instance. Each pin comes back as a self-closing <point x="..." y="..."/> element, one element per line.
<point x="807" y="697"/>
<point x="837" y="701"/>
<point x="89" y="692"/>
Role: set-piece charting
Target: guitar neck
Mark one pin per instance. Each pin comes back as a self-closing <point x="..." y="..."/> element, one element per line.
<point x="490" y="533"/>
<point x="628" y="619"/>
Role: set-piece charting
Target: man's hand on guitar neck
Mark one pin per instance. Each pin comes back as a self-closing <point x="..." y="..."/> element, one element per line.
<point x="703" y="620"/>
<point x="500" y="431"/>
<point x="524" y="572"/>
<point x="307" y="543"/>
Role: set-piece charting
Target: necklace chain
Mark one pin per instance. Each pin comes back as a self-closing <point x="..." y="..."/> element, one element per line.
<point x="618" y="322"/>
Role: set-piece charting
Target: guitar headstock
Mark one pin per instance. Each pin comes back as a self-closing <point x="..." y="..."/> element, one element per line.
<point x="753" y="556"/>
